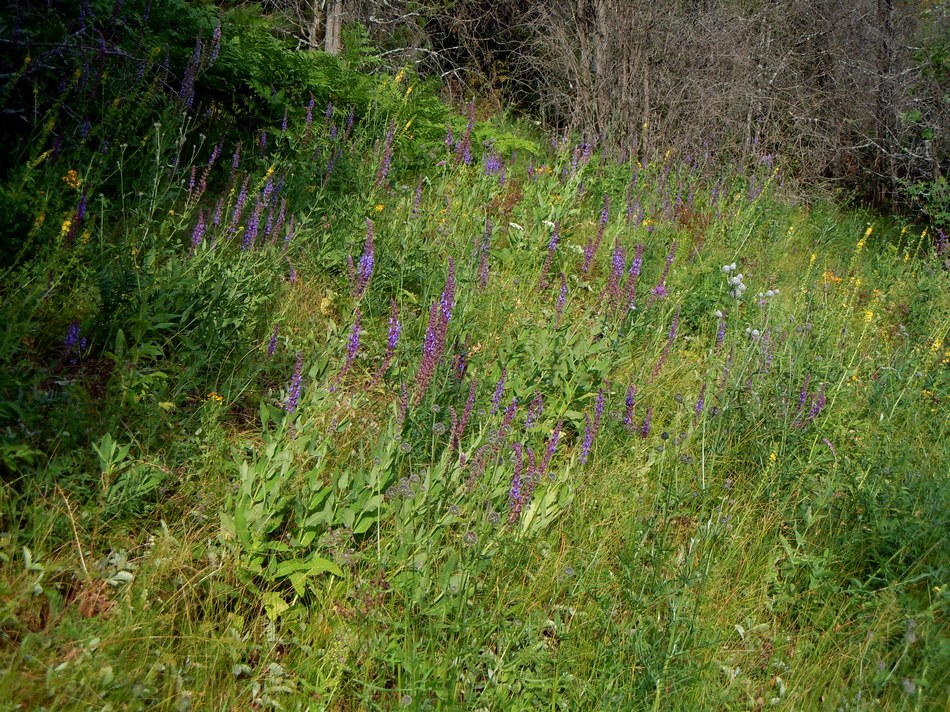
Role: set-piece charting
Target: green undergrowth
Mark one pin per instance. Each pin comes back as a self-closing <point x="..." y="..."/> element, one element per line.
<point x="349" y="414"/>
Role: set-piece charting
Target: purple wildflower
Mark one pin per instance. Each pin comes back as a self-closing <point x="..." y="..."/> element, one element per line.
<point x="633" y="276"/>
<point x="365" y="269"/>
<point x="272" y="346"/>
<point x="535" y="409"/>
<point x="561" y="297"/>
<point x="593" y="244"/>
<point x="72" y="336"/>
<point x="598" y="410"/>
<point x="803" y="396"/>
<point x="215" y="45"/>
<point x="549" y="258"/>
<point x="353" y="345"/>
<point x="392" y="340"/>
<point x="459" y="359"/>
<point x="239" y="206"/>
<point x="700" y="402"/>
<point x="645" y="428"/>
<point x="588" y="439"/>
<point x="721" y="333"/>
<point x="466" y="413"/>
<point x="440" y="314"/>
<point x="629" y="402"/>
<point x="197" y="235"/>
<point x="349" y="123"/>
<point x="449" y="138"/>
<point x="514" y="494"/>
<point x="403" y="402"/>
<point x="499" y="390"/>
<point x="294" y="394"/>
<point x="383" y="169"/>
<point x="510" y="413"/>
<point x="417" y="197"/>
<point x="551" y="448"/>
<point x="669" y="343"/>
<point x="617" y="264"/>
<point x="483" y="257"/>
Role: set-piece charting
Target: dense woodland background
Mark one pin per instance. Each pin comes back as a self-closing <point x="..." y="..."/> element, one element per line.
<point x="852" y="92"/>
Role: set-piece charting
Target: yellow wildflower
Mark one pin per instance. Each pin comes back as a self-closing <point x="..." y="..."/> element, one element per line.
<point x="773" y="457"/>
<point x="409" y="91"/>
<point x="379" y="207"/>
<point x="86" y="236"/>
<point x="830" y="277"/>
<point x="67" y="223"/>
<point x="215" y="398"/>
<point x="868" y="315"/>
<point x="813" y="258"/>
<point x="936" y="345"/>
<point x="72" y="179"/>
<point x="408" y="124"/>
<point x="38" y="223"/>
<point x="399" y="76"/>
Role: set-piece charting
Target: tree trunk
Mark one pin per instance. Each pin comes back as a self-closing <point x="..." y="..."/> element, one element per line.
<point x="332" y="42"/>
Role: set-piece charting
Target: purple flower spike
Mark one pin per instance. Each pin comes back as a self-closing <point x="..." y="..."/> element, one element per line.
<point x="629" y="402"/>
<point x="353" y="345"/>
<point x="549" y="258"/>
<point x="588" y="439"/>
<point x="272" y="346"/>
<point x="365" y="269"/>
<point x="633" y="276"/>
<point x="466" y="413"/>
<point x="645" y="429"/>
<point x="561" y="297"/>
<point x="383" y="169"/>
<point x="515" y="501"/>
<point x="499" y="391"/>
<point x="197" y="235"/>
<point x="551" y="448"/>
<point x="593" y="244"/>
<point x="392" y="341"/>
<point x="440" y="314"/>
<point x="294" y="394"/>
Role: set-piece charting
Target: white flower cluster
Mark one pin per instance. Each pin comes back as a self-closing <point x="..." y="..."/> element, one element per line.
<point x="735" y="282"/>
<point x="753" y="333"/>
